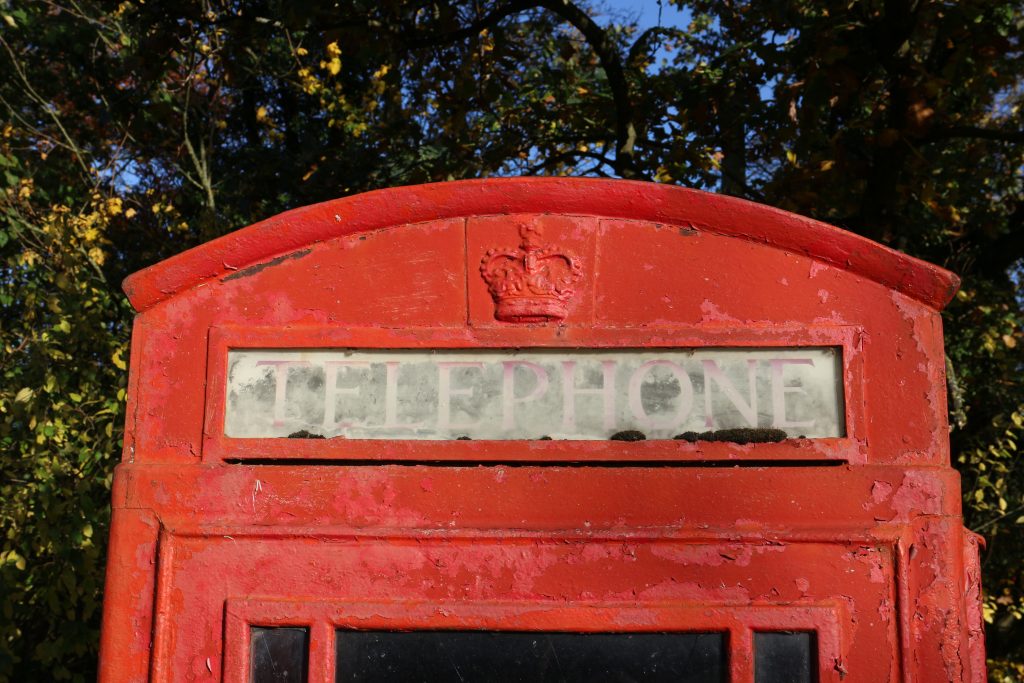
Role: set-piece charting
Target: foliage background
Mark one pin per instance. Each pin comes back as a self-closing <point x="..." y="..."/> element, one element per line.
<point x="132" y="130"/>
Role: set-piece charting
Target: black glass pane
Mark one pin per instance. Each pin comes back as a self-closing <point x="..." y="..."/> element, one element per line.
<point x="279" y="655"/>
<point x="785" y="658"/>
<point x="507" y="657"/>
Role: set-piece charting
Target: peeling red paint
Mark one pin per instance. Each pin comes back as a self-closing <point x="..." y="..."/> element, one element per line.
<point x="919" y="493"/>
<point x="881" y="491"/>
<point x="858" y="537"/>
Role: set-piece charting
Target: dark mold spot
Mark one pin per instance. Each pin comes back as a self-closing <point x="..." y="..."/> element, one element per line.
<point x="740" y="435"/>
<point x="687" y="232"/>
<point x="544" y="438"/>
<point x="252" y="270"/>
<point x="303" y="434"/>
<point x="464" y="438"/>
<point x="628" y="435"/>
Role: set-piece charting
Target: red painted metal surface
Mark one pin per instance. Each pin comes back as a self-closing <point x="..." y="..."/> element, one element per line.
<point x="857" y="537"/>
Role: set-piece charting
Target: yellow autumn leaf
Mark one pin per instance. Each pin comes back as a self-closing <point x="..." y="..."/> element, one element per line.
<point x="28" y="257"/>
<point x="988" y="613"/>
<point x="130" y="213"/>
<point x="118" y="361"/>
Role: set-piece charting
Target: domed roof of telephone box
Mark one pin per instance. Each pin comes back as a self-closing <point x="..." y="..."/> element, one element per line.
<point x="712" y="213"/>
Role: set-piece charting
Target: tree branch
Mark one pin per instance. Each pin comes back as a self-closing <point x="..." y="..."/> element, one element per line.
<point x="598" y="38"/>
<point x="600" y="41"/>
<point x="48" y="108"/>
<point x="645" y="40"/>
<point x="473" y="29"/>
<point x="951" y="132"/>
<point x="199" y="161"/>
<point x="569" y="155"/>
<point x="998" y="254"/>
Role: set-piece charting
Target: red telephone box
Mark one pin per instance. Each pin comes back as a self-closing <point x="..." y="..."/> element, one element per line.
<point x="539" y="429"/>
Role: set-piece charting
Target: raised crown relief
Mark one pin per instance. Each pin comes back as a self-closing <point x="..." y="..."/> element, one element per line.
<point x="533" y="283"/>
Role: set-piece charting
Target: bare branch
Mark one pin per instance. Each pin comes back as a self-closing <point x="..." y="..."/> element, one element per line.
<point x="568" y="156"/>
<point x="611" y="62"/>
<point x="646" y="40"/>
<point x="950" y="132"/>
<point x="468" y="31"/>
<point x="47" y="107"/>
<point x="198" y="160"/>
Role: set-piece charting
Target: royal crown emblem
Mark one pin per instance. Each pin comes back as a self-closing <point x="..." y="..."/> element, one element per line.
<point x="533" y="283"/>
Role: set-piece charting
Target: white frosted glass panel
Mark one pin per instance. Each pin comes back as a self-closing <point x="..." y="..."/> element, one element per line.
<point x="511" y="394"/>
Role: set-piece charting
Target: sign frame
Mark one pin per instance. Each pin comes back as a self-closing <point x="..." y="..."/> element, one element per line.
<point x="217" y="447"/>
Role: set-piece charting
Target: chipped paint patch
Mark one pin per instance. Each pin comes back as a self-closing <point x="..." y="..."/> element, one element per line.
<point x="881" y="491"/>
<point x="920" y="493"/>
<point x="260" y="267"/>
<point x="711" y="313"/>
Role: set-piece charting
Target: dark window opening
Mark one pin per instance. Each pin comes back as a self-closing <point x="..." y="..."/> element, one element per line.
<point x="785" y="657"/>
<point x="279" y="655"/>
<point x="534" y="657"/>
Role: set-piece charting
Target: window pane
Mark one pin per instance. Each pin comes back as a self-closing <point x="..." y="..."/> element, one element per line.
<point x="279" y="655"/>
<point x="785" y="658"/>
<point x="506" y="657"/>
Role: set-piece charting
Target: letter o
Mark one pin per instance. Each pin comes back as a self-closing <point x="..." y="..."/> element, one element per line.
<point x="685" y="399"/>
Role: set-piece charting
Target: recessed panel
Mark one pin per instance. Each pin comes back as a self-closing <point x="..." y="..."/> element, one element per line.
<point x="729" y="394"/>
<point x="528" y="657"/>
<point x="279" y="655"/>
<point x="785" y="657"/>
